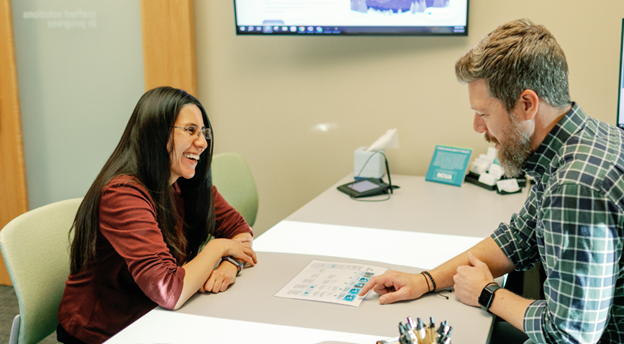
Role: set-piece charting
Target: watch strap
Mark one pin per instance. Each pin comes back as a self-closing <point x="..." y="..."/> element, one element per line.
<point x="487" y="295"/>
<point x="239" y="265"/>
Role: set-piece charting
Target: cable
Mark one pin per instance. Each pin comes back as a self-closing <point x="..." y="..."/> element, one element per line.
<point x="366" y="163"/>
<point x="371" y="200"/>
<point x="387" y="173"/>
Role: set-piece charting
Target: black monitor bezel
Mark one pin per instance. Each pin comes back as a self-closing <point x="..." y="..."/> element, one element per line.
<point x="350" y="30"/>
<point x="620" y="77"/>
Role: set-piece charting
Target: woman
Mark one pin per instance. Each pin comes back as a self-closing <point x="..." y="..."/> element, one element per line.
<point x="139" y="231"/>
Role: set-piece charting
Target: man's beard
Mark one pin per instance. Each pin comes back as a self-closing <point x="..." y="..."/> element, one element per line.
<point x="514" y="148"/>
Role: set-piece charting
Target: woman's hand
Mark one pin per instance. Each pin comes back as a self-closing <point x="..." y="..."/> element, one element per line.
<point x="223" y="276"/>
<point x="220" y="278"/>
<point x="233" y="248"/>
<point x="200" y="270"/>
<point x="247" y="240"/>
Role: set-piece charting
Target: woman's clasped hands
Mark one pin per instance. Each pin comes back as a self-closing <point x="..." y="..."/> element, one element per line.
<point x="224" y="275"/>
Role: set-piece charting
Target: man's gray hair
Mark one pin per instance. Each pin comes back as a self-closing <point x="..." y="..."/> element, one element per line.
<point x="515" y="57"/>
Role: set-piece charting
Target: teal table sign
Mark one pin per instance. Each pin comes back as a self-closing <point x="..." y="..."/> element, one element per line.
<point x="448" y="165"/>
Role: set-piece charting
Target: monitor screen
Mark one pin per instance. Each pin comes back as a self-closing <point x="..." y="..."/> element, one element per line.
<point x="352" y="17"/>
<point x="620" y="116"/>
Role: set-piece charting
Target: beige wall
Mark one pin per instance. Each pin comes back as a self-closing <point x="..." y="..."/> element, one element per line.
<point x="265" y="95"/>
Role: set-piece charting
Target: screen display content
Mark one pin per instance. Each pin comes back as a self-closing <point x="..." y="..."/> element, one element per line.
<point x="352" y="17"/>
<point x="363" y="186"/>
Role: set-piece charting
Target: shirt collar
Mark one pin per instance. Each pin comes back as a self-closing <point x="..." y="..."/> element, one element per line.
<point x="176" y="189"/>
<point x="571" y="123"/>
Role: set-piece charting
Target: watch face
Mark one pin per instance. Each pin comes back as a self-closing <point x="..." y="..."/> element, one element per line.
<point x="484" y="298"/>
<point x="487" y="295"/>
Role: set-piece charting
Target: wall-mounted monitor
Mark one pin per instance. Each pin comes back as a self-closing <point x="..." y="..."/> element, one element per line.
<point x="620" y="116"/>
<point x="352" y="17"/>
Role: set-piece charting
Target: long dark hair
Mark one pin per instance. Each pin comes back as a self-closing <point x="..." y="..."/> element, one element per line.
<point x="143" y="154"/>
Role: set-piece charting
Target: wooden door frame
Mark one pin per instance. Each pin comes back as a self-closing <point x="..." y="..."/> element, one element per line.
<point x="169" y="44"/>
<point x="14" y="197"/>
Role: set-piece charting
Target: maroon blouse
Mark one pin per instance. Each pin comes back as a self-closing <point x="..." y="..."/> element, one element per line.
<point x="133" y="271"/>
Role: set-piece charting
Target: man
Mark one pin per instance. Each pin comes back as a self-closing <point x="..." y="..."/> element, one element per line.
<point x="573" y="219"/>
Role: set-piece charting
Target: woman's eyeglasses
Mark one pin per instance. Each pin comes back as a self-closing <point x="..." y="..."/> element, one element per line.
<point x="194" y="130"/>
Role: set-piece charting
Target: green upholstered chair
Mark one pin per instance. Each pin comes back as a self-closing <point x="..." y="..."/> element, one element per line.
<point x="233" y="179"/>
<point x="35" y="248"/>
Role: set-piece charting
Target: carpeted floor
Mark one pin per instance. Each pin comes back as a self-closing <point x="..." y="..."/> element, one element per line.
<point x="8" y="310"/>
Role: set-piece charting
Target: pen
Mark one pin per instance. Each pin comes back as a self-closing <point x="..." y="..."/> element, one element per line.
<point x="420" y="331"/>
<point x="406" y="337"/>
<point x="446" y="339"/>
<point x="431" y="330"/>
<point x="409" y="333"/>
<point x="406" y="328"/>
<point x="402" y="334"/>
<point x="440" y="332"/>
<point x="441" y="339"/>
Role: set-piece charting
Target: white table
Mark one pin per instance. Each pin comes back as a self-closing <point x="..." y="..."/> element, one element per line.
<point x="418" y="218"/>
<point x="417" y="206"/>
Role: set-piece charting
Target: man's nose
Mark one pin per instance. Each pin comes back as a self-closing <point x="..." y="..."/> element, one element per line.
<point x="478" y="124"/>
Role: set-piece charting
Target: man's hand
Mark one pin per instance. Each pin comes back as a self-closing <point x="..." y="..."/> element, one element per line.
<point x="396" y="286"/>
<point x="471" y="279"/>
<point x="220" y="278"/>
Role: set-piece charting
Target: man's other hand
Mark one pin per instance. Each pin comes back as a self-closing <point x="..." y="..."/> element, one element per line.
<point x="471" y="279"/>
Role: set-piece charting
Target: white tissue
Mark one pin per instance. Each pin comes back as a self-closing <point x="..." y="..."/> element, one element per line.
<point x="508" y="185"/>
<point x="388" y="140"/>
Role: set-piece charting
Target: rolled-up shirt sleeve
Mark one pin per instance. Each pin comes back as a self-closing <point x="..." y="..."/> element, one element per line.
<point x="581" y="252"/>
<point x="128" y="221"/>
<point x="517" y="239"/>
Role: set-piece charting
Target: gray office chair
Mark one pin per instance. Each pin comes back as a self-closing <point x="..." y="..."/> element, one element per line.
<point x="233" y="179"/>
<point x="35" y="248"/>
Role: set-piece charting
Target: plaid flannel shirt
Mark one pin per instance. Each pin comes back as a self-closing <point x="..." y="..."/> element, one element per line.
<point x="573" y="221"/>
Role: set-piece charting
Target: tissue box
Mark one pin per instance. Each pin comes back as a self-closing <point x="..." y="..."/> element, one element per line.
<point x="375" y="167"/>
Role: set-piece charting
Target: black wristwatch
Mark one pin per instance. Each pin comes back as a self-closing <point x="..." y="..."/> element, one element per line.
<point x="487" y="295"/>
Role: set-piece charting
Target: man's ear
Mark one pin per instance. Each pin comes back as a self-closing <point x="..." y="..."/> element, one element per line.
<point x="527" y="105"/>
